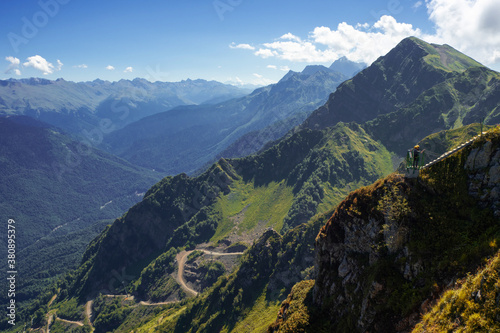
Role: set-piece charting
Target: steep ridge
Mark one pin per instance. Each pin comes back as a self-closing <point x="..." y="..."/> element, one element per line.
<point x="448" y="153"/>
<point x="471" y="305"/>
<point x="390" y="83"/>
<point x="390" y="249"/>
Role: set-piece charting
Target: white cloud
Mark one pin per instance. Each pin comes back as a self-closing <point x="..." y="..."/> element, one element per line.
<point x="261" y="80"/>
<point x="362" y="42"/>
<point x="128" y="70"/>
<point x="83" y="66"/>
<point x="41" y="64"/>
<point x="14" y="65"/>
<point x="298" y="51"/>
<point x="470" y="26"/>
<point x="266" y="53"/>
<point x="496" y="56"/>
<point x="241" y="46"/>
<point x="362" y="26"/>
<point x="417" y="5"/>
<point x="290" y="36"/>
<point x="282" y="68"/>
<point x="59" y="65"/>
<point x="13" y="61"/>
<point x="110" y="68"/>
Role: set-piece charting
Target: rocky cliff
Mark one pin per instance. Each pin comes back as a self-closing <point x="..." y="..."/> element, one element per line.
<point x="390" y="250"/>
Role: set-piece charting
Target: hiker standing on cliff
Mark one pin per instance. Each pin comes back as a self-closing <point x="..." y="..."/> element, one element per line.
<point x="416" y="156"/>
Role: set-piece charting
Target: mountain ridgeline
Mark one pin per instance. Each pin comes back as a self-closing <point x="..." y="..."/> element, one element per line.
<point x="384" y="246"/>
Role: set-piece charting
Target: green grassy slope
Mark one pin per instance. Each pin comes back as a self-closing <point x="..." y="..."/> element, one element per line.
<point x="248" y="299"/>
<point x="390" y="83"/>
<point x="471" y="306"/>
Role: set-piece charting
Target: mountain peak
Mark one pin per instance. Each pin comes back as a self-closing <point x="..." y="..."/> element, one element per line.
<point x="33" y="81"/>
<point x="307" y="71"/>
<point x="347" y="67"/>
<point x="383" y="87"/>
<point x="442" y="57"/>
<point x="288" y="75"/>
<point x="312" y="69"/>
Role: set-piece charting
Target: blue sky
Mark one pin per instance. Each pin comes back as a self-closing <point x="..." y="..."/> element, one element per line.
<point x="249" y="41"/>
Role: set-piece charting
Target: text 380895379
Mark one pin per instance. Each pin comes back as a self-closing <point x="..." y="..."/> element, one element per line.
<point x="11" y="270"/>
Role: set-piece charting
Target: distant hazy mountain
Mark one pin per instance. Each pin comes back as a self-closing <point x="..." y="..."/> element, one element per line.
<point x="89" y="109"/>
<point x="184" y="139"/>
<point x="347" y="67"/>
<point x="54" y="187"/>
<point x="256" y="140"/>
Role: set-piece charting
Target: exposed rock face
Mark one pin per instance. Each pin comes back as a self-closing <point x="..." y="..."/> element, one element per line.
<point x="483" y="165"/>
<point x="349" y="248"/>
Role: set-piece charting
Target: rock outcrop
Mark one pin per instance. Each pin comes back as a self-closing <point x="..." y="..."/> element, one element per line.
<point x="384" y="257"/>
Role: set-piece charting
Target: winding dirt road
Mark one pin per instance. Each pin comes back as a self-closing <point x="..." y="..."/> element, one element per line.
<point x="181" y="262"/>
<point x="79" y="323"/>
<point x="88" y="313"/>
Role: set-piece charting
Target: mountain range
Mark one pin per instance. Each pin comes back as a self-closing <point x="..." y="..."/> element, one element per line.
<point x="82" y="107"/>
<point x="187" y="138"/>
<point x="335" y="241"/>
